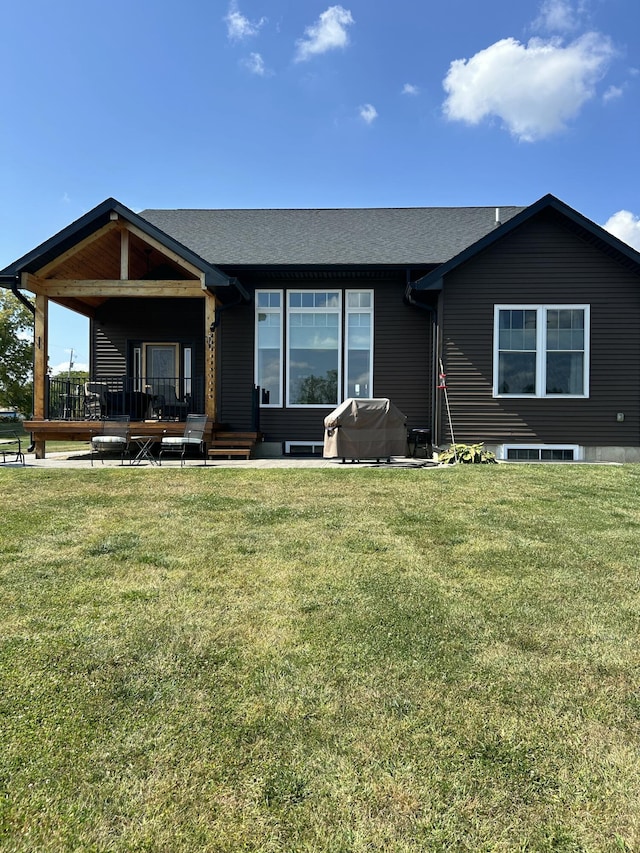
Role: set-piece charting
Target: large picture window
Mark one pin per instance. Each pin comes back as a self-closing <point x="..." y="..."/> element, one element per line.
<point x="320" y="342"/>
<point x="313" y="352"/>
<point x="541" y="351"/>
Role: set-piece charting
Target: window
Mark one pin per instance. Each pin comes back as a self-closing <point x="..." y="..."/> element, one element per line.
<point x="359" y="349"/>
<point x="541" y="351"/>
<point x="327" y="351"/>
<point x="314" y="343"/>
<point x="269" y="346"/>
<point x="540" y="452"/>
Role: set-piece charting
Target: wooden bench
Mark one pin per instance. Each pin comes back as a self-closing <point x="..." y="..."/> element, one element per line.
<point x="11" y="445"/>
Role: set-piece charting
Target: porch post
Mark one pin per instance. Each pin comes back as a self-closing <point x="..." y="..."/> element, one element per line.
<point x="210" y="361"/>
<point x="41" y="349"/>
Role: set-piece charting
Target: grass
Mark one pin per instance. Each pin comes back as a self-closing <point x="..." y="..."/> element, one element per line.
<point x="361" y="660"/>
<point x="52" y="446"/>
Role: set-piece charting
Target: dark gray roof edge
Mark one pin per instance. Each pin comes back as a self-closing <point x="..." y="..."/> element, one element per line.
<point x="93" y="220"/>
<point x="434" y="279"/>
<point x="418" y="208"/>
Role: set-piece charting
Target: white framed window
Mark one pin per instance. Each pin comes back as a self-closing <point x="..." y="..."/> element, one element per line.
<point x="541" y="351"/>
<point x="359" y="343"/>
<point x="268" y="355"/>
<point x="313" y="346"/>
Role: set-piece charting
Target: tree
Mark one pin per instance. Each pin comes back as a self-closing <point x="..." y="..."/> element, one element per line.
<point x="16" y="353"/>
<point x="319" y="389"/>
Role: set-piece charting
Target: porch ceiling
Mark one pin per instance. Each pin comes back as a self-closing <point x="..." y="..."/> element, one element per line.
<point x="101" y="259"/>
<point x="113" y="261"/>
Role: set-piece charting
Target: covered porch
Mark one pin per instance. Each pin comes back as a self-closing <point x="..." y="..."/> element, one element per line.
<point x="113" y="261"/>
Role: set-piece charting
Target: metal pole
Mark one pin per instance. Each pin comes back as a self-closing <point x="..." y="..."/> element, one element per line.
<point x="443" y="387"/>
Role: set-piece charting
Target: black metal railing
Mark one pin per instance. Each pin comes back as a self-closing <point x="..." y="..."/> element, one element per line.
<point x="165" y="398"/>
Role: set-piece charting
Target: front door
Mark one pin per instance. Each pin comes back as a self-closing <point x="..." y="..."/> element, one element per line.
<point x="161" y="365"/>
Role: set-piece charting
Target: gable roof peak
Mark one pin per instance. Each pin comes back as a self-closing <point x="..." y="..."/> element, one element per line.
<point x="595" y="233"/>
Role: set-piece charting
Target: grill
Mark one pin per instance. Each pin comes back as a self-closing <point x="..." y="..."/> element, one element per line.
<point x="365" y="429"/>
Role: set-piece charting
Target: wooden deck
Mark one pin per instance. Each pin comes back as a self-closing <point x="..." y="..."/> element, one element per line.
<point x="43" y="431"/>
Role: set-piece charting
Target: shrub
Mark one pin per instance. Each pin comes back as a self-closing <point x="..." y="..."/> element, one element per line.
<point x="469" y="454"/>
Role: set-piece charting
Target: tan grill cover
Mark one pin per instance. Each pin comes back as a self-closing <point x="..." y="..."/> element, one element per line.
<point x="365" y="429"/>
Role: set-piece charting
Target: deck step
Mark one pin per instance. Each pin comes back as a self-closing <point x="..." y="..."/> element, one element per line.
<point x="232" y="444"/>
<point x="220" y="435"/>
<point x="228" y="452"/>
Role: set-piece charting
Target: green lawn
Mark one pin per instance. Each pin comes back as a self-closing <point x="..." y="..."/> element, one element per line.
<point x="52" y="446"/>
<point x="329" y="660"/>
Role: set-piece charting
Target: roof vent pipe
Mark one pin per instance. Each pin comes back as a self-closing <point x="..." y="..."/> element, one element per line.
<point x="498" y="222"/>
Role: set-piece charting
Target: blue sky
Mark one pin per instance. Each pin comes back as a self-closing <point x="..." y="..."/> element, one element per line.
<point x="273" y="104"/>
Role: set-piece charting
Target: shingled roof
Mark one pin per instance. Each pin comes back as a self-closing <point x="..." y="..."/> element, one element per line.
<point x="329" y="237"/>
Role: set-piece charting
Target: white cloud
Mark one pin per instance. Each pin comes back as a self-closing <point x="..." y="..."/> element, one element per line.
<point x="368" y="113"/>
<point x="410" y="89"/>
<point x="535" y="89"/>
<point x="328" y="33"/>
<point x="255" y="63"/>
<point x="612" y="93"/>
<point x="559" y="16"/>
<point x="239" y="27"/>
<point x="625" y="226"/>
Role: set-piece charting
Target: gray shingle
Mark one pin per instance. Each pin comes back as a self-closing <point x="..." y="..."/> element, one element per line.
<point x="403" y="236"/>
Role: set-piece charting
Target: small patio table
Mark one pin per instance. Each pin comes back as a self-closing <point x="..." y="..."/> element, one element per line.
<point x="144" y="444"/>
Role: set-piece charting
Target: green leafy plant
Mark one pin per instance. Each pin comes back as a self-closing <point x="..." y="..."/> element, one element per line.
<point x="468" y="454"/>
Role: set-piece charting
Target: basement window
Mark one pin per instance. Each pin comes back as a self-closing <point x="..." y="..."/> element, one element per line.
<point x="539" y="453"/>
<point x="303" y="448"/>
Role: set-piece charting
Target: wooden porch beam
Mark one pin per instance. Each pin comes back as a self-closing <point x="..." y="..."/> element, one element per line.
<point x="210" y="361"/>
<point x="79" y="288"/>
<point x="41" y="349"/>
<point x="124" y="254"/>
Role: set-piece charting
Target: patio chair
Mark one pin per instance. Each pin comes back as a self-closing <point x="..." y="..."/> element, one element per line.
<point x="167" y="405"/>
<point x="192" y="437"/>
<point x="11" y="445"/>
<point x="113" y="438"/>
<point x="94" y="400"/>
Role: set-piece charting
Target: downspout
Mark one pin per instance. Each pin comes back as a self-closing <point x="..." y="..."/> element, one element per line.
<point x="242" y="299"/>
<point x="13" y="281"/>
<point x="410" y="300"/>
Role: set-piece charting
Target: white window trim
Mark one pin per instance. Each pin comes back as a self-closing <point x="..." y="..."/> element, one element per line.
<point x="348" y="311"/>
<point x="503" y="449"/>
<point x="339" y="311"/>
<point x="541" y="350"/>
<point x="256" y="354"/>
